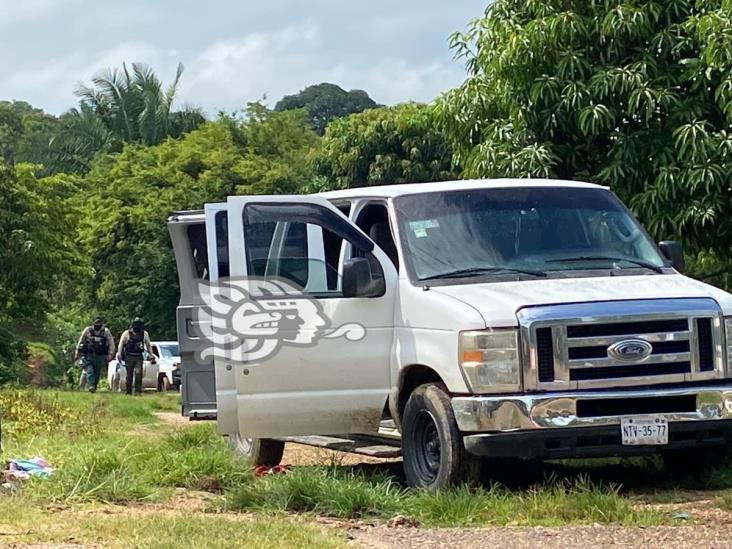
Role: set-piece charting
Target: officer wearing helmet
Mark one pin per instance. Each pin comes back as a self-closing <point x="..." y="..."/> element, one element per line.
<point x="132" y="346"/>
<point x="96" y="346"/>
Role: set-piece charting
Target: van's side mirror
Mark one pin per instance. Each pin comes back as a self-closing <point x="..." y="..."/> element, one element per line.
<point x="359" y="280"/>
<point x="674" y="253"/>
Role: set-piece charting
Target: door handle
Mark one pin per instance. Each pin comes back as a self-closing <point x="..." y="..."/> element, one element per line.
<point x="193" y="328"/>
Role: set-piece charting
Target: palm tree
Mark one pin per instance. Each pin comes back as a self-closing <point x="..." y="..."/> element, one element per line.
<point x="121" y="106"/>
<point x="81" y="136"/>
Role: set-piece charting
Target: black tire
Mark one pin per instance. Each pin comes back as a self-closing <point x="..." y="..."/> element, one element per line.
<point x="432" y="446"/>
<point x="259" y="451"/>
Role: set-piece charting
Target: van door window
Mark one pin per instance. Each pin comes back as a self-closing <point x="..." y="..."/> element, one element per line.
<point x="374" y="221"/>
<point x="197" y="242"/>
<point x="290" y="254"/>
<point x="291" y="262"/>
<point x="344" y="208"/>
<point x="222" y="243"/>
<point x="258" y="237"/>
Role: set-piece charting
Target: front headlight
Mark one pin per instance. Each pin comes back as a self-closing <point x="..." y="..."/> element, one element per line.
<point x="728" y="337"/>
<point x="490" y="360"/>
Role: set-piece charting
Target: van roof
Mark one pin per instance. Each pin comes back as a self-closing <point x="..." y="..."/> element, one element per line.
<point x="391" y="191"/>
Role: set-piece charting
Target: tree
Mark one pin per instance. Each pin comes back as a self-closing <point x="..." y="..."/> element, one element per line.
<point x="39" y="255"/>
<point x="325" y="102"/>
<point x="130" y="195"/>
<point x="400" y="144"/>
<point x="276" y="147"/>
<point x="637" y="95"/>
<point x="25" y="132"/>
<point x="122" y="106"/>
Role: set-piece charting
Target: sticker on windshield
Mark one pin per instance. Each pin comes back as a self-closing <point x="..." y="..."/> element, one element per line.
<point x="420" y="227"/>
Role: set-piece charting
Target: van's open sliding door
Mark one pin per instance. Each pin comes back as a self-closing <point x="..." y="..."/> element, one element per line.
<point x="198" y="383"/>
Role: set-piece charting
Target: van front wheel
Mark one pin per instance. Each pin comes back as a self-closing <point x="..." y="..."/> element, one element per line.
<point x="259" y="451"/>
<point x="432" y="447"/>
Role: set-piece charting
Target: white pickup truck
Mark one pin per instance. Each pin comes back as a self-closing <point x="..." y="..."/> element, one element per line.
<point x="451" y="322"/>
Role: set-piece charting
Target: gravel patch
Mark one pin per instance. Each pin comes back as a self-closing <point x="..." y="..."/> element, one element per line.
<point x="566" y="537"/>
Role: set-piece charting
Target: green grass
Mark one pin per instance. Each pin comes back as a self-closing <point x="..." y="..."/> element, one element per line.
<point x="332" y="492"/>
<point x="725" y="502"/>
<point x="118" y="467"/>
<point x="23" y="523"/>
<point x="110" y="449"/>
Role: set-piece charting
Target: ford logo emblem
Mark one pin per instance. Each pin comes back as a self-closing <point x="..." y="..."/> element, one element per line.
<point x="630" y="350"/>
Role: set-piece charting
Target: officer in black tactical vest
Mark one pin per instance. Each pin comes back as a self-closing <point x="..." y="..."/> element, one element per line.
<point x="132" y="346"/>
<point x="96" y="345"/>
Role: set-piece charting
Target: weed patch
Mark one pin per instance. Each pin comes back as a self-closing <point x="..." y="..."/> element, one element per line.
<point x="330" y="492"/>
<point x="27" y="412"/>
<point x="117" y="468"/>
<point x="198" y="458"/>
<point x="725" y="502"/>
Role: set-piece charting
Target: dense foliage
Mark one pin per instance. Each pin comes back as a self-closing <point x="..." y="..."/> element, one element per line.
<point x="633" y="94"/>
<point x="25" y="133"/>
<point x="122" y="106"/>
<point x="39" y="256"/>
<point x="130" y="195"/>
<point x="382" y="146"/>
<point x="326" y="102"/>
<point x="92" y="239"/>
<point x="637" y="95"/>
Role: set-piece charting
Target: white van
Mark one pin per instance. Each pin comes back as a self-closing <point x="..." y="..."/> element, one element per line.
<point x="451" y="322"/>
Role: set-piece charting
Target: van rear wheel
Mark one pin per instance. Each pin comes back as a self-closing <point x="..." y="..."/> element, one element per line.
<point x="432" y="446"/>
<point x="259" y="451"/>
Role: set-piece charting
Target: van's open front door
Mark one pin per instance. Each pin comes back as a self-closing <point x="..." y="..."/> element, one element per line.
<point x="198" y="384"/>
<point x="313" y="355"/>
<point x="217" y="237"/>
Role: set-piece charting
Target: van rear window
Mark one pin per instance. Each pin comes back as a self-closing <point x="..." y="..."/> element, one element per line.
<point x="199" y="249"/>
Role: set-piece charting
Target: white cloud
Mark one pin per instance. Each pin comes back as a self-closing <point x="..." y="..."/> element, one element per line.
<point x="234" y="51"/>
<point x="231" y="72"/>
<point x="395" y="80"/>
<point x="25" y="11"/>
<point x="62" y="75"/>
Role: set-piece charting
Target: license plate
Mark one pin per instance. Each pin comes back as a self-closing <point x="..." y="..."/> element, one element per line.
<point x="644" y="430"/>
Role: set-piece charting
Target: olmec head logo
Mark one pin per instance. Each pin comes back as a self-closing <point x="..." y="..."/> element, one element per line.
<point x="248" y="320"/>
<point x="630" y="350"/>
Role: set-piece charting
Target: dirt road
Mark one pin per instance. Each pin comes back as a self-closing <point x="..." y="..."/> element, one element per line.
<point x="566" y="537"/>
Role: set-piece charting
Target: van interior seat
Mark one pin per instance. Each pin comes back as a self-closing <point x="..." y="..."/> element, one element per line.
<point x="380" y="233"/>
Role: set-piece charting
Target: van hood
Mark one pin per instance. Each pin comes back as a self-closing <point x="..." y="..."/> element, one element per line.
<point x="498" y="302"/>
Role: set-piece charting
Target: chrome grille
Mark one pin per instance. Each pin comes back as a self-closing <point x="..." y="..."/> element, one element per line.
<point x="681" y="339"/>
<point x="706" y="344"/>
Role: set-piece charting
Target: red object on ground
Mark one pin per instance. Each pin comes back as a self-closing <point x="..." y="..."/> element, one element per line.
<point x="263" y="470"/>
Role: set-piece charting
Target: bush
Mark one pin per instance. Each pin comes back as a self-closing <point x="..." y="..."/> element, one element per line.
<point x="26" y="413"/>
<point x="13" y="353"/>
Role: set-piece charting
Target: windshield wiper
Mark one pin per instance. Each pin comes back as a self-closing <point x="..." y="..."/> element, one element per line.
<point x="607" y="258"/>
<point x="478" y="271"/>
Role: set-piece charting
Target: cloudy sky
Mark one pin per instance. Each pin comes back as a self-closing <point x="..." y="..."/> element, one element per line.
<point x="234" y="51"/>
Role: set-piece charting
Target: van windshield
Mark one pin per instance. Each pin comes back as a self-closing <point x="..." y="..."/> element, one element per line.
<point x="527" y="231"/>
<point x="169" y="350"/>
